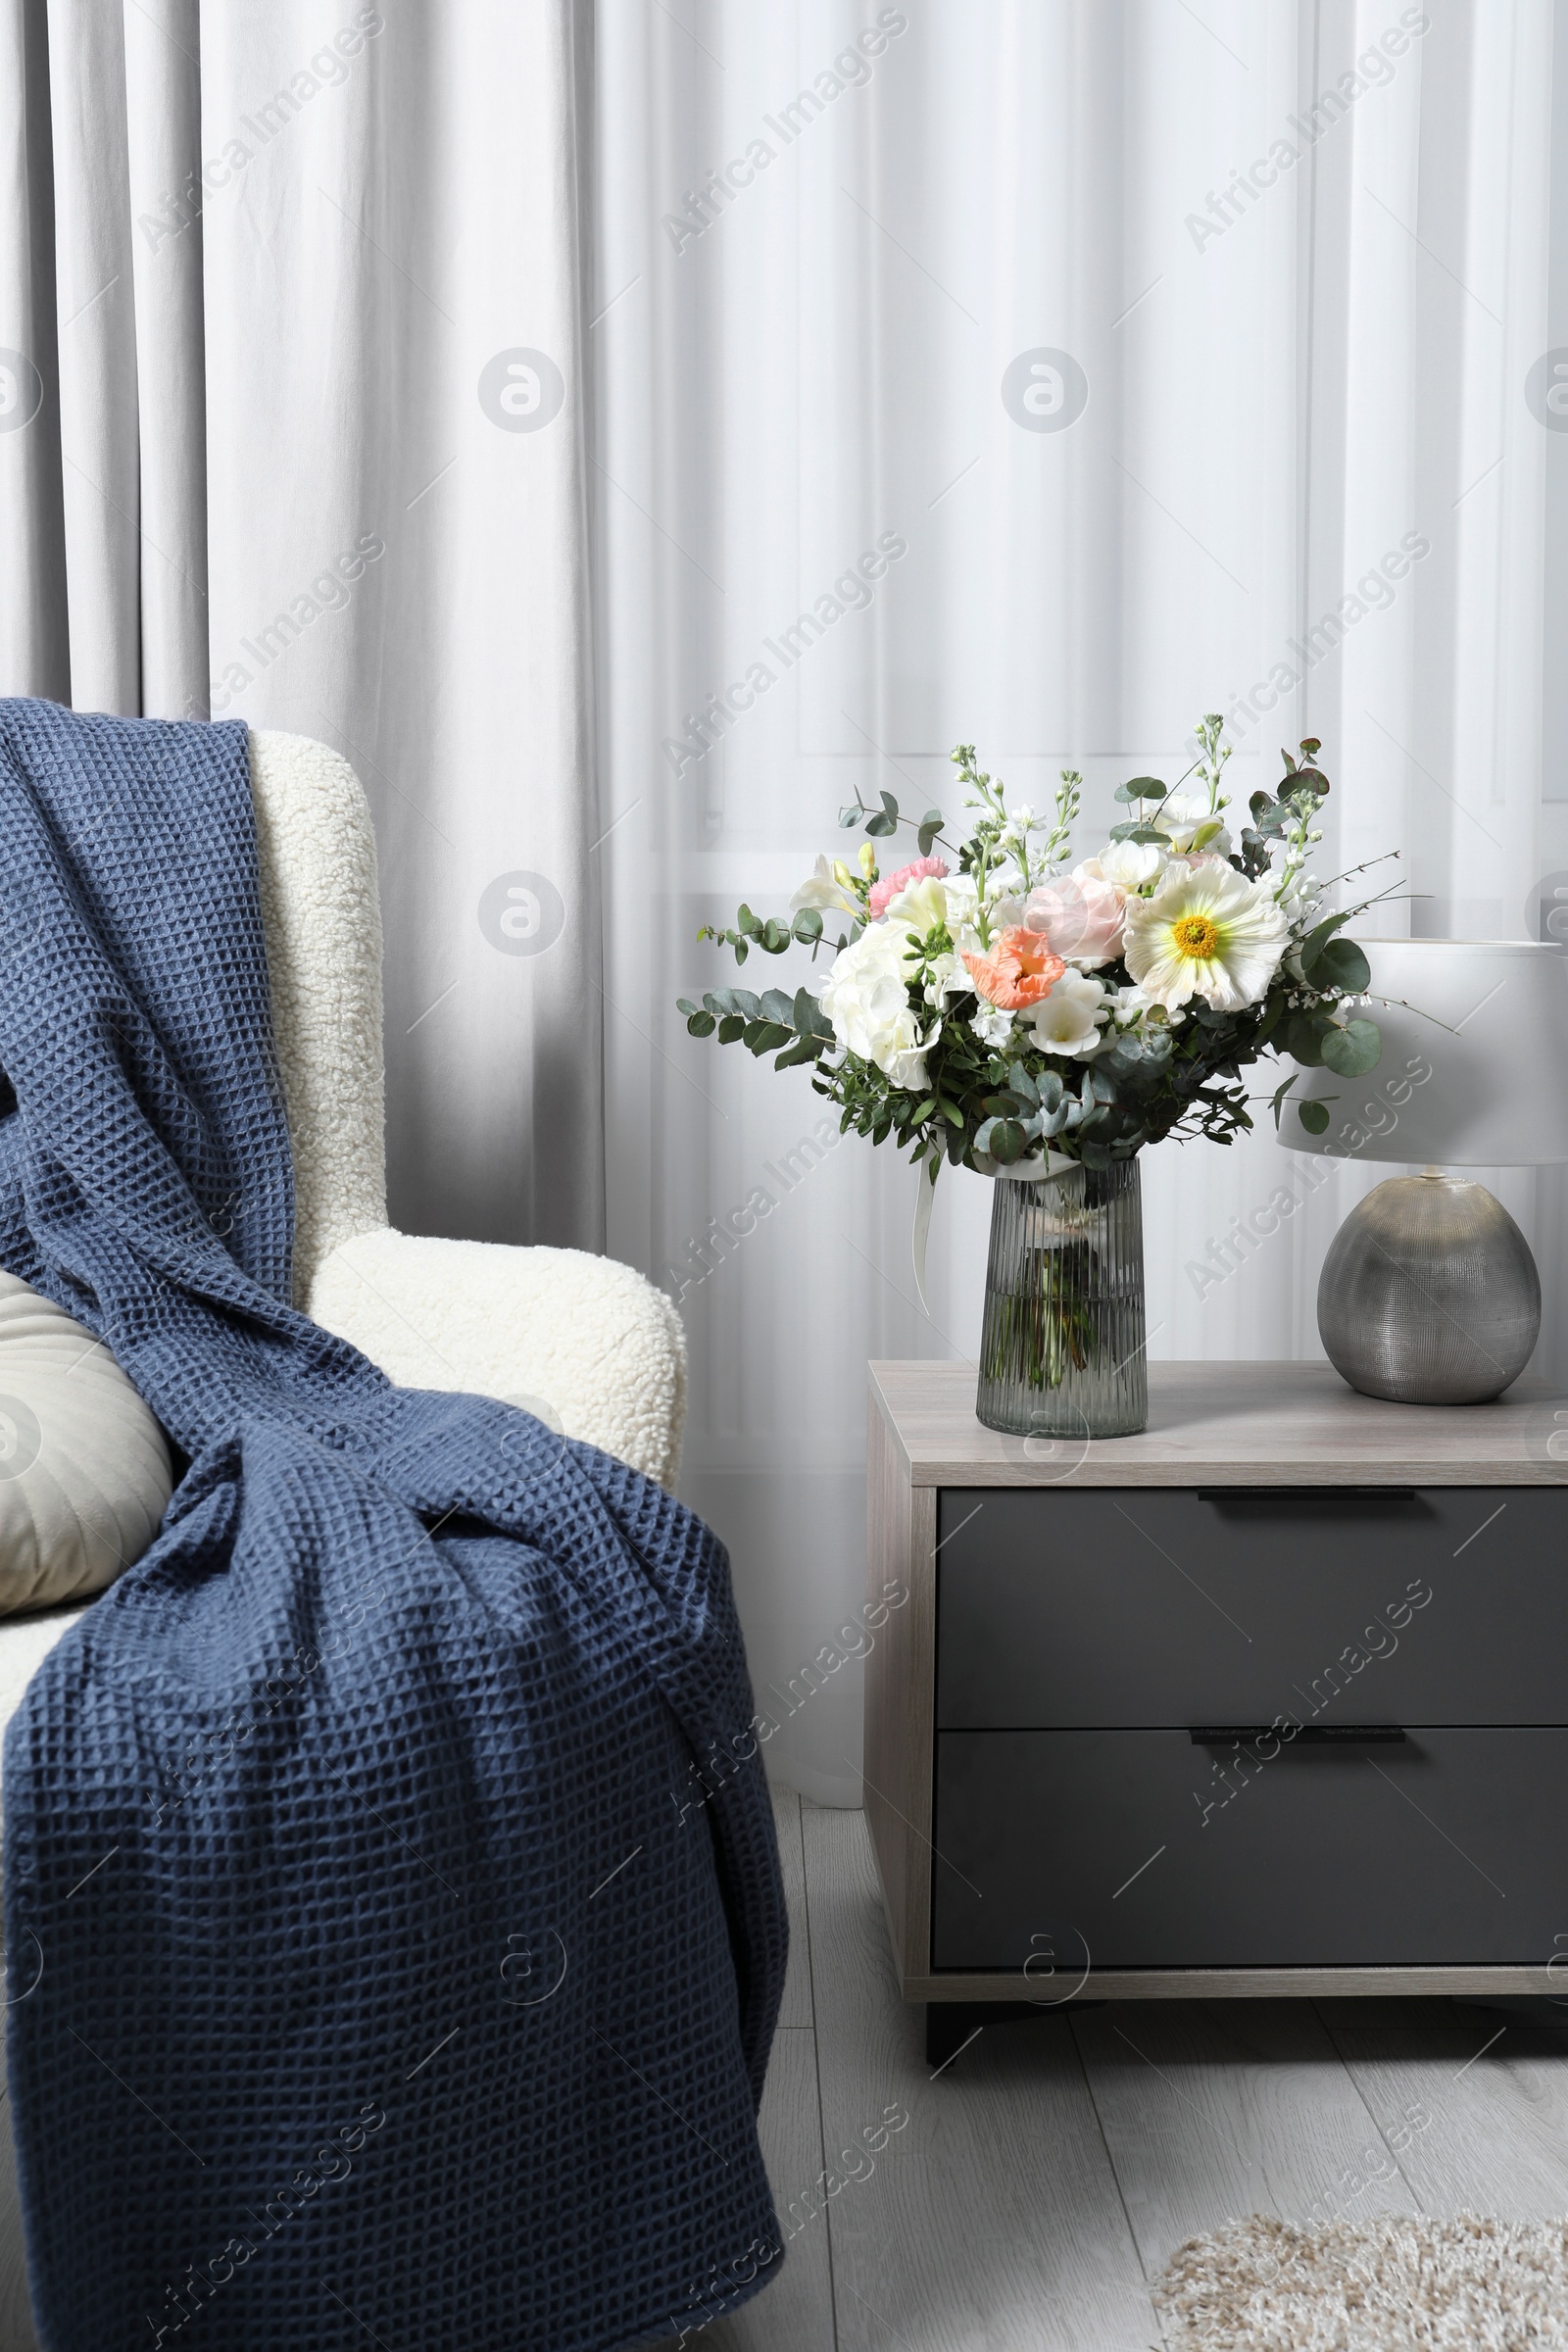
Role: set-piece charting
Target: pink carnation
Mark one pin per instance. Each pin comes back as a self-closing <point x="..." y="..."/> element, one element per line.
<point x="885" y="891"/>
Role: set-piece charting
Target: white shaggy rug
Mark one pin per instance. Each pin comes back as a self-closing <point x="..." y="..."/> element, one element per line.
<point x="1394" y="2285"/>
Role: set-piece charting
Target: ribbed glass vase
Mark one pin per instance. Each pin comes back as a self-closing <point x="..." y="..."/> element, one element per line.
<point x="1062" y="1349"/>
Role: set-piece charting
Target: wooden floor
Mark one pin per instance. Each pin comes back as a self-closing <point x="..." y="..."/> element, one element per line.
<point x="1044" y="2176"/>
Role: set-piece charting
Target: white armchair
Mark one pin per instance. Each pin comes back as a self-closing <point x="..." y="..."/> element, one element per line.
<point x="587" y="1342"/>
<point x="589" y="1339"/>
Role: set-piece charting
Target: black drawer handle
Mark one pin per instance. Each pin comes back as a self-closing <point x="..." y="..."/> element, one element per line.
<point x="1263" y="1498"/>
<point x="1310" y="1734"/>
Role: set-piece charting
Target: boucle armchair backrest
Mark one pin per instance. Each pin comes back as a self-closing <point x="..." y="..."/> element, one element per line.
<point x="322" y="914"/>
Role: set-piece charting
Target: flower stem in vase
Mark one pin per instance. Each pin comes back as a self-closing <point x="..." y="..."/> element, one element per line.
<point x="1061" y="1349"/>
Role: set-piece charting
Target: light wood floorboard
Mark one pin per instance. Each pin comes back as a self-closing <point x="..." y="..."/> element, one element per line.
<point x="795" y="2313"/>
<point x="1479" y="2129"/>
<point x="992" y="2220"/>
<point x="1218" y="2109"/>
<point x="795" y="2007"/>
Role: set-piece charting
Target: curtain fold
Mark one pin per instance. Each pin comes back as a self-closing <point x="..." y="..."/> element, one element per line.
<point x="1278" y="278"/>
<point x="293" y="428"/>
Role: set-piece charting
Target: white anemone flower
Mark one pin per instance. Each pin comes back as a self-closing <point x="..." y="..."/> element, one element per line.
<point x="1068" y="1021"/>
<point x="1206" y="932"/>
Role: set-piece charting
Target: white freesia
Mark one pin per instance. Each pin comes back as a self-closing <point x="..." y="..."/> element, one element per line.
<point x="1068" y="1020"/>
<point x="1206" y="932"/>
<point x="920" y="906"/>
<point x="1130" y="864"/>
<point x="953" y="902"/>
<point x="823" y="890"/>
<point x="1131" y="1008"/>
<point x="1190" y="823"/>
<point x="866" y="995"/>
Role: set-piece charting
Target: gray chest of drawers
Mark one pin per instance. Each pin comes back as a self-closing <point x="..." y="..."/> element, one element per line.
<point x="1272" y="1698"/>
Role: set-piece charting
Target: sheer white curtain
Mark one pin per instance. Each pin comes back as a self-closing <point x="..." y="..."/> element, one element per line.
<point x="1286" y="269"/>
<point x="292" y="426"/>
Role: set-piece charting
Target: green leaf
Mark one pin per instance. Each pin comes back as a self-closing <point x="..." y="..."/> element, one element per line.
<point x="891" y="805"/>
<point x="1138" y="832"/>
<point x="807" y="924"/>
<point x="1353" y="1050"/>
<point x="747" y="921"/>
<point x="803" y="1012"/>
<point x="777" y="1007"/>
<point x="1141" y="788"/>
<point x="684" y="1004"/>
<point x="1317" y="939"/>
<point x="1313" y="1115"/>
<point x="730" y="1028"/>
<point x="775" y="937"/>
<point x="766" y="1037"/>
<point x="1273" y="1013"/>
<point x="881" y="824"/>
<point x="952" y="1113"/>
<point x="701" y="1024"/>
<point x="1340" y="963"/>
<point x="805" y="1049"/>
<point x="1006" y="1143"/>
<point x="849" y="818"/>
<point x="1303" y="1038"/>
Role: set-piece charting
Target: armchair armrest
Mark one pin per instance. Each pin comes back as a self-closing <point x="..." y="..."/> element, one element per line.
<point x="585" y="1335"/>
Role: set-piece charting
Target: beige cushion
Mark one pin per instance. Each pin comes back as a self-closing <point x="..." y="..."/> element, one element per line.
<point x="84" y="1472"/>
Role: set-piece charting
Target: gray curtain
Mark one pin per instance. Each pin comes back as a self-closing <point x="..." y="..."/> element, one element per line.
<point x="292" y="429"/>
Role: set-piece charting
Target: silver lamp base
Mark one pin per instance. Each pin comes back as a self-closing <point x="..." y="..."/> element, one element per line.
<point x="1429" y="1294"/>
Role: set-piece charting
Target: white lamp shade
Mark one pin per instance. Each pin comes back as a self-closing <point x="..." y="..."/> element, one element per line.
<point x="1474" y="1071"/>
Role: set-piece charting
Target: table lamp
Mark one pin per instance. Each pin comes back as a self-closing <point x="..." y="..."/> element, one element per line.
<point x="1429" y="1294"/>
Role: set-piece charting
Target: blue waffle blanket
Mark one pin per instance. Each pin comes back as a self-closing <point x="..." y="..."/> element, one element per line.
<point x="393" y="1916"/>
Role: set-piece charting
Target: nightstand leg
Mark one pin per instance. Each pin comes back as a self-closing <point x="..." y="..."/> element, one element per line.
<point x="948" y="2024"/>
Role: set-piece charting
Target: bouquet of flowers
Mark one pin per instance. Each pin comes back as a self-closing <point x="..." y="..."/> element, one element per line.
<point x="1002" y="1007"/>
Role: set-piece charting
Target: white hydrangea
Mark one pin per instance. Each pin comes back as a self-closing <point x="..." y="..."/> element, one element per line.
<point x="867" y="998"/>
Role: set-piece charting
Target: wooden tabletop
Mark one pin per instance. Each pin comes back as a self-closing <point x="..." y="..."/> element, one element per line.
<point x="1236" y="1424"/>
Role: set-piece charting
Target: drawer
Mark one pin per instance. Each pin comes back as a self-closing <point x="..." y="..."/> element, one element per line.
<point x="1095" y="1846"/>
<point x="1149" y="1606"/>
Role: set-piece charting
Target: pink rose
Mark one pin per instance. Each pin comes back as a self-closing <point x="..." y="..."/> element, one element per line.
<point x="1081" y="914"/>
<point x="885" y="891"/>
